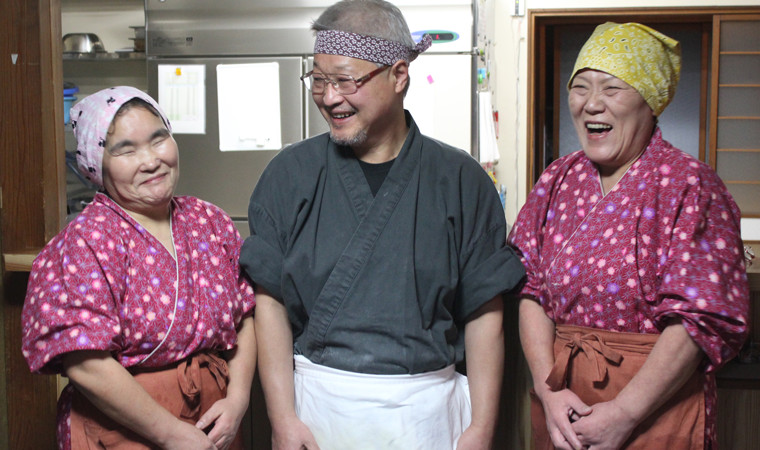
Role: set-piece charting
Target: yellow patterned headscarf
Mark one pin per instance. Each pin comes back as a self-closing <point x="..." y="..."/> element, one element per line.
<point x="646" y="59"/>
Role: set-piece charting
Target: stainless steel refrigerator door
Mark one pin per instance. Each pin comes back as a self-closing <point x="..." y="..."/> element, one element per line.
<point x="227" y="178"/>
<point x="315" y="123"/>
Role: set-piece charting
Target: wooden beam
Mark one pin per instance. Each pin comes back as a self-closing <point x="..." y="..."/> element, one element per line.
<point x="33" y="201"/>
<point x="53" y="150"/>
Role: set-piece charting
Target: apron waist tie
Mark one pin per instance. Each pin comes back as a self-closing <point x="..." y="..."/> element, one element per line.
<point x="574" y="342"/>
<point x="189" y="379"/>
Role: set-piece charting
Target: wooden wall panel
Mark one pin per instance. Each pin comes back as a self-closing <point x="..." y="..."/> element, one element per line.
<point x="512" y="431"/>
<point x="738" y="419"/>
<point x="31" y="150"/>
<point x="53" y="164"/>
<point x="20" y="146"/>
<point x="3" y="371"/>
<point x="30" y="399"/>
<point x="32" y="199"/>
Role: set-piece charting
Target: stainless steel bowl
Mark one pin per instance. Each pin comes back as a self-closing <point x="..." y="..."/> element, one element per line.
<point x="82" y="43"/>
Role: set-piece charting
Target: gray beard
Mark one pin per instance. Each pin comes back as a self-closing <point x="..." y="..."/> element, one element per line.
<point x="357" y="139"/>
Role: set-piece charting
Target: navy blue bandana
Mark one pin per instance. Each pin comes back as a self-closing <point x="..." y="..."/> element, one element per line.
<point x="368" y="48"/>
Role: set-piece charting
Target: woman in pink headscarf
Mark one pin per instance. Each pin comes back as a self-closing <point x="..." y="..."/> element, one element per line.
<point x="140" y="301"/>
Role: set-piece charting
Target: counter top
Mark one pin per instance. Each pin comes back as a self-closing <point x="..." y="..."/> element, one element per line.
<point x="739" y="376"/>
<point x="19" y="262"/>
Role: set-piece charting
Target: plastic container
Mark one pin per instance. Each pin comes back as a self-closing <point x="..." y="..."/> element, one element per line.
<point x="69" y="89"/>
<point x="68" y="102"/>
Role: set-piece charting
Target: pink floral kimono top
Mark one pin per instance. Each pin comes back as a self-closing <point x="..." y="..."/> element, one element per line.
<point x="105" y="283"/>
<point x="663" y="243"/>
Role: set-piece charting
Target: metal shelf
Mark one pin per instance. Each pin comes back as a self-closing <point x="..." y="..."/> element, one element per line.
<point x="111" y="56"/>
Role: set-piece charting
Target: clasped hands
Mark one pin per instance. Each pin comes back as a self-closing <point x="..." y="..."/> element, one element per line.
<point x="573" y="425"/>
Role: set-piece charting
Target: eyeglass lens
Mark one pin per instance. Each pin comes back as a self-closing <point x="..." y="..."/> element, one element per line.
<point x="343" y="84"/>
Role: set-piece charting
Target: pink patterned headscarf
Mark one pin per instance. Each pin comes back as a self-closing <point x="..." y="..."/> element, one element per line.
<point x="368" y="48"/>
<point x="90" y="120"/>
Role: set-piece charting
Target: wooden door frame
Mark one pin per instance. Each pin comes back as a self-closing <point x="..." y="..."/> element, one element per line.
<point x="32" y="201"/>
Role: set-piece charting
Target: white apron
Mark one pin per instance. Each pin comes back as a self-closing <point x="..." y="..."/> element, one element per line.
<point x="349" y="411"/>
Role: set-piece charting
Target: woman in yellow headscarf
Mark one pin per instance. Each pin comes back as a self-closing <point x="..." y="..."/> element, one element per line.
<point x="636" y="287"/>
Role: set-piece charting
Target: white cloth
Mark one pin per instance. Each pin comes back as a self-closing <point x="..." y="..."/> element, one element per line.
<point x="349" y="411"/>
<point x="487" y="144"/>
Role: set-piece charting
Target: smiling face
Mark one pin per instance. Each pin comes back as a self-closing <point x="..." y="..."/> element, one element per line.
<point x="362" y="119"/>
<point x="613" y="122"/>
<point x="140" y="162"/>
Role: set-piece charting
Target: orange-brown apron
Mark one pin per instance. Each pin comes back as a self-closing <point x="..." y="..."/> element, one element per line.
<point x="597" y="364"/>
<point x="187" y="390"/>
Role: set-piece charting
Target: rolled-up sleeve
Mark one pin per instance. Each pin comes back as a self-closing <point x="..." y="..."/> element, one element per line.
<point x="703" y="276"/>
<point x="262" y="255"/>
<point x="70" y="303"/>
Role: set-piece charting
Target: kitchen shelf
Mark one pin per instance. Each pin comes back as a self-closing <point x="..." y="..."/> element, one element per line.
<point x="113" y="56"/>
<point x="19" y="262"/>
<point x="74" y="6"/>
<point x="738" y="375"/>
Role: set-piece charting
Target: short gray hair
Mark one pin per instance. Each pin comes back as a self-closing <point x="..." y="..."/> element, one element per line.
<point x="376" y="18"/>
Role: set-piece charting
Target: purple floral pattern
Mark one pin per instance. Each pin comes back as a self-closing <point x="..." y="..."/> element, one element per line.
<point x="105" y="283"/>
<point x="663" y="243"/>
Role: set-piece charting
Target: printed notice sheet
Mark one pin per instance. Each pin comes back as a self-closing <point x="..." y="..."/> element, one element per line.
<point x="182" y="95"/>
<point x="249" y="106"/>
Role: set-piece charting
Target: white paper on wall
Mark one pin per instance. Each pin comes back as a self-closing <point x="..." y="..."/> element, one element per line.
<point x="182" y="95"/>
<point x="440" y="98"/>
<point x="249" y="106"/>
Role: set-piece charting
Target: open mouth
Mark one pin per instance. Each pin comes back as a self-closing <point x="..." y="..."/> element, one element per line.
<point x="342" y="115"/>
<point x="596" y="128"/>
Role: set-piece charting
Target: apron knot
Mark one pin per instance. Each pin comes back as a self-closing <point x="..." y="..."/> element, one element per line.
<point x="592" y="346"/>
<point x="189" y="379"/>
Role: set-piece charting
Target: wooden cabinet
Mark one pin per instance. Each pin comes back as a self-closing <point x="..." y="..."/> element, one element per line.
<point x="738" y="417"/>
<point x="739" y="383"/>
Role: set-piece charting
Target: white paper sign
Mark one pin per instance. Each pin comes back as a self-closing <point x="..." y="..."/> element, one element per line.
<point x="440" y="98"/>
<point x="249" y="106"/>
<point x="182" y="95"/>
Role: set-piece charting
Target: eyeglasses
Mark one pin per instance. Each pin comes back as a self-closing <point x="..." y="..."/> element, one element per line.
<point x="343" y="84"/>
